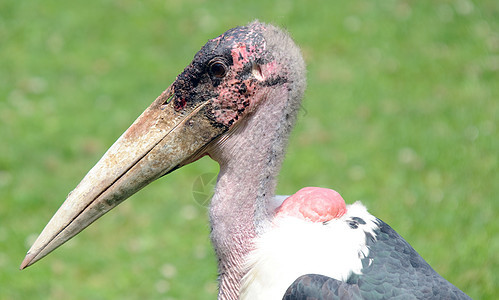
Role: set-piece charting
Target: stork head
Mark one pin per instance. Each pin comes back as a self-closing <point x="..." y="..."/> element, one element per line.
<point x="225" y="83"/>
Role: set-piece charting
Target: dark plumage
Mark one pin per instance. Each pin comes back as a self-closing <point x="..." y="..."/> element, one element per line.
<point x="392" y="270"/>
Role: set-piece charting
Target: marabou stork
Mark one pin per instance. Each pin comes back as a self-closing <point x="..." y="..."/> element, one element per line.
<point x="237" y="102"/>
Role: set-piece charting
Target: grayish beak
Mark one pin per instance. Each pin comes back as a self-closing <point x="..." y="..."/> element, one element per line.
<point x="161" y="140"/>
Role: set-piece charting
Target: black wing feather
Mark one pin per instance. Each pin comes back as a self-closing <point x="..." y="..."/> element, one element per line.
<point x="320" y="287"/>
<point x="393" y="269"/>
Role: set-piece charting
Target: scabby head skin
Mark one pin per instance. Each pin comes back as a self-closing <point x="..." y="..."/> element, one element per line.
<point x="228" y="70"/>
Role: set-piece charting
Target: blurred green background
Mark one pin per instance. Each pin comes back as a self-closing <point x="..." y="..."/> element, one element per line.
<point x="401" y="112"/>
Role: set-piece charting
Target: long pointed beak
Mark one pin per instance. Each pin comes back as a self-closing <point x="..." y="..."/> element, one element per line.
<point x="159" y="141"/>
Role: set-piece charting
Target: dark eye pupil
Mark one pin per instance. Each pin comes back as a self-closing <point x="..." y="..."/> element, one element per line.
<point x="218" y="69"/>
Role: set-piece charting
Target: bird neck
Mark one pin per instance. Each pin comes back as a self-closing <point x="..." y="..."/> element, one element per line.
<point x="250" y="157"/>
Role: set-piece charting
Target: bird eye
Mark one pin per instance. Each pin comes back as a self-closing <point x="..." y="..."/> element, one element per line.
<point x="218" y="69"/>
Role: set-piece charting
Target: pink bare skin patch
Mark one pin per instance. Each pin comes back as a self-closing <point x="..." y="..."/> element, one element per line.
<point x="313" y="204"/>
<point x="240" y="56"/>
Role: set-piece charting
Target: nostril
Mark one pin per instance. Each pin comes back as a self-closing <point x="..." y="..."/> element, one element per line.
<point x="166" y="102"/>
<point x="256" y="70"/>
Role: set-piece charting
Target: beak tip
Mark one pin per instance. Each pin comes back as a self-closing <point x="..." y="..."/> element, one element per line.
<point x="27" y="261"/>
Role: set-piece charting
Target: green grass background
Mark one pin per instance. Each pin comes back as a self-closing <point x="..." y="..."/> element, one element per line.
<point x="401" y="112"/>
